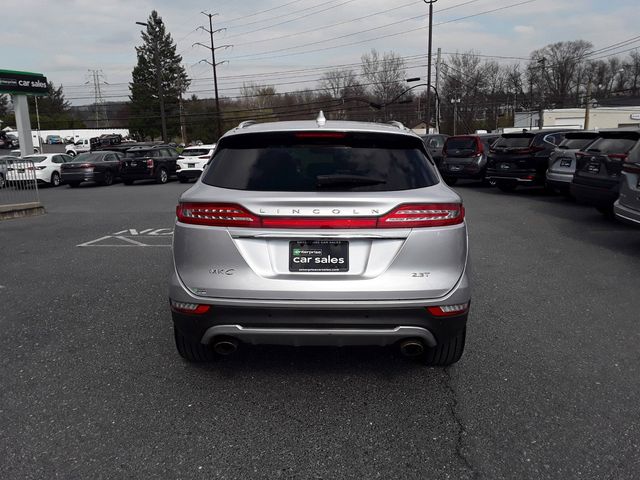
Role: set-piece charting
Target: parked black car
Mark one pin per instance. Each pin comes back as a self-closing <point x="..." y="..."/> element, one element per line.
<point x="599" y="168"/>
<point x="522" y="158"/>
<point x="157" y="162"/>
<point x="434" y="143"/>
<point x="465" y="156"/>
<point x="101" y="167"/>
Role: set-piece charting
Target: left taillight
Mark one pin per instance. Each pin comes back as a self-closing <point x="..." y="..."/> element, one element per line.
<point x="192" y="308"/>
<point x="423" y="215"/>
<point x="216" y="215"/>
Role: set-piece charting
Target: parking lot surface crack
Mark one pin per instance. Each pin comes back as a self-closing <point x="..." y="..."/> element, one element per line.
<point x="462" y="432"/>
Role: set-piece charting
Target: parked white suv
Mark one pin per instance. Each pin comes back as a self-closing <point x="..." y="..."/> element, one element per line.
<point x="192" y="161"/>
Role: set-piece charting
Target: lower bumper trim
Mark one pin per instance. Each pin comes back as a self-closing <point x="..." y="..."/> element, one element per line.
<point x="319" y="336"/>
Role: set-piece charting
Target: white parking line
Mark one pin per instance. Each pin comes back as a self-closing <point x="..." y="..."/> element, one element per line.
<point x="133" y="237"/>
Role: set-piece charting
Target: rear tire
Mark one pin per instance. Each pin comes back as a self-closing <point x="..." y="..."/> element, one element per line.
<point x="108" y="179"/>
<point x="507" y="187"/>
<point x="74" y="184"/>
<point x="450" y="180"/>
<point x="446" y="353"/>
<point x="162" y="176"/>
<point x="192" y="351"/>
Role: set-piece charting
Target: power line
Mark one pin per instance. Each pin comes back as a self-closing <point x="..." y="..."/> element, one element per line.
<point x="264" y="11"/>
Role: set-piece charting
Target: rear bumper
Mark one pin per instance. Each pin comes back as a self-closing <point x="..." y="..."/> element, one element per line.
<point x="597" y="196"/>
<point x="81" y="177"/>
<point x="149" y="175"/>
<point x="529" y="177"/>
<point x="318" y="327"/>
<point x="626" y="214"/>
<point x="558" y="179"/>
<point x="189" y="173"/>
<point x="471" y="172"/>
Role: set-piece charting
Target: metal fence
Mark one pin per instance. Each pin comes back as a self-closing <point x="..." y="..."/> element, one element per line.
<point x="18" y="182"/>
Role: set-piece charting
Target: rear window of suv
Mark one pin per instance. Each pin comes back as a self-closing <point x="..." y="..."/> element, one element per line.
<point x="578" y="143"/>
<point x="513" y="141"/>
<point x="195" y="152"/>
<point x="320" y="161"/>
<point x="612" y="145"/>
<point x="461" y="143"/>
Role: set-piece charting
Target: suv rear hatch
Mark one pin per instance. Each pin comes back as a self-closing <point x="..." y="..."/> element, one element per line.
<point x="563" y="158"/>
<point x="514" y="152"/>
<point x="138" y="161"/>
<point x="320" y="216"/>
<point x="600" y="165"/>
<point x="461" y="151"/>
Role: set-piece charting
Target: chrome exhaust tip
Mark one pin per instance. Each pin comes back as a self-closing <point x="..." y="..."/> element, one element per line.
<point x="225" y="346"/>
<point x="411" y="347"/>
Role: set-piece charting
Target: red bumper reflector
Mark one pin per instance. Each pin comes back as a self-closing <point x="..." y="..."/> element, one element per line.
<point x="449" y="310"/>
<point x="192" y="308"/>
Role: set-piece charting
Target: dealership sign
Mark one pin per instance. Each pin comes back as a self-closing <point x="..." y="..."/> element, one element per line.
<point x="25" y="83"/>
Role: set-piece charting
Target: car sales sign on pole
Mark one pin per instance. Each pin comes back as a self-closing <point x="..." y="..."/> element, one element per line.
<point x="22" y="83"/>
<point x="19" y="85"/>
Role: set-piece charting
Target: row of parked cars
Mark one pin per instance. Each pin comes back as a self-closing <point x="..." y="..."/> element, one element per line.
<point x="126" y="162"/>
<point x="597" y="168"/>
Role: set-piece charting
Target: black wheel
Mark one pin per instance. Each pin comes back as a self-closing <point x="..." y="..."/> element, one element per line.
<point x="507" y="186"/>
<point x="128" y="182"/>
<point x="183" y="179"/>
<point x="162" y="176"/>
<point x="108" y="179"/>
<point x="3" y="183"/>
<point x="446" y="353"/>
<point x="450" y="180"/>
<point x="74" y="184"/>
<point x="607" y="212"/>
<point x="71" y="153"/>
<point x="55" y="179"/>
<point x="192" y="351"/>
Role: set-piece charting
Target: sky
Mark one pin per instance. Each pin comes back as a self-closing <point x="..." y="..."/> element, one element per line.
<point x="270" y="38"/>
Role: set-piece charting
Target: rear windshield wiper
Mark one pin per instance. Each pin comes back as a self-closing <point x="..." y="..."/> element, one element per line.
<point x="347" y="180"/>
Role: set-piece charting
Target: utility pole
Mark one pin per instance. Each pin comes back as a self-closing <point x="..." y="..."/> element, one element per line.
<point x="455" y="102"/>
<point x="438" y="60"/>
<point x="428" y="102"/>
<point x="183" y="129"/>
<point x="587" y="106"/>
<point x="543" y="61"/>
<point x="213" y="64"/>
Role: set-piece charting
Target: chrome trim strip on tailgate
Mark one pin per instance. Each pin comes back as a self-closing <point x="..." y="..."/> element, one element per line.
<point x="319" y="336"/>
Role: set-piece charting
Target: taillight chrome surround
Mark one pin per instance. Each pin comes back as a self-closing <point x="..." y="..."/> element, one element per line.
<point x="403" y="216"/>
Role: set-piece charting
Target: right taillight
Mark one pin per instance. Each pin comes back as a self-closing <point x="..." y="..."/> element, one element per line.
<point x="630" y="166"/>
<point x="149" y="163"/>
<point x="423" y="215"/>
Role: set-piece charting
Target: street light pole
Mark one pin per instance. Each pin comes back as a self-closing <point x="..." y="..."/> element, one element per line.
<point x="156" y="61"/>
<point x="455" y="102"/>
<point x="428" y="102"/>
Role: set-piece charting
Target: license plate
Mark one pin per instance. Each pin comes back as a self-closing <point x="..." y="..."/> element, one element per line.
<point x="455" y="168"/>
<point x="565" y="163"/>
<point x="505" y="166"/>
<point x="134" y="164"/>
<point x="593" y="168"/>
<point x="318" y="256"/>
<point x="191" y="165"/>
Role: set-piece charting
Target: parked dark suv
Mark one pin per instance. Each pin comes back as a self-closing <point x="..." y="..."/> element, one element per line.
<point x="522" y="158"/>
<point x="156" y="162"/>
<point x="599" y="168"/>
<point x="465" y="156"/>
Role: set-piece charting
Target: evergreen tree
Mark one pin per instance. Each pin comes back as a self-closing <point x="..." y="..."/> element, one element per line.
<point x="157" y="57"/>
<point x="53" y="110"/>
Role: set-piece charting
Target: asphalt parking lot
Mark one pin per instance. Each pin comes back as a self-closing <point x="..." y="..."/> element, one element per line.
<point x="92" y="386"/>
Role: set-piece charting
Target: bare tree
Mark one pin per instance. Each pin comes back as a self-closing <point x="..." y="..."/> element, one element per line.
<point x="385" y="74"/>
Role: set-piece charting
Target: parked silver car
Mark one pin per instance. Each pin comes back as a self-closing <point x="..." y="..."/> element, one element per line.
<point x="562" y="161"/>
<point x="320" y="233"/>
<point x="627" y="207"/>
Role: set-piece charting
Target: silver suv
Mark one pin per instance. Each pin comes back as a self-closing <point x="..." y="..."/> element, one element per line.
<point x="320" y="233"/>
